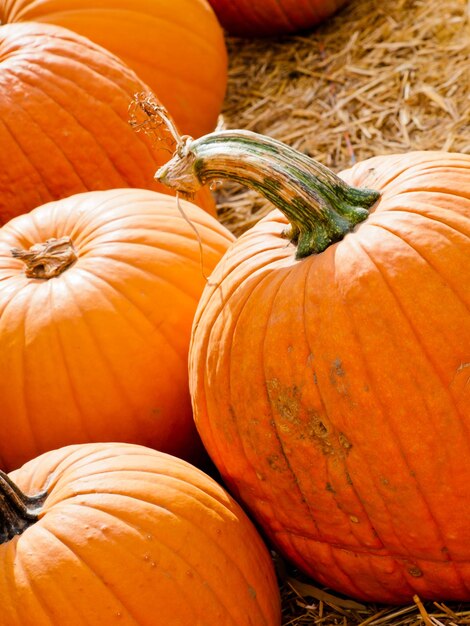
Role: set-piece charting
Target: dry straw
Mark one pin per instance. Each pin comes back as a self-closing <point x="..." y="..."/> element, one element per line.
<point x="382" y="76"/>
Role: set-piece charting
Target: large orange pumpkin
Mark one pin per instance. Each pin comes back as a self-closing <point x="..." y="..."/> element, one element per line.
<point x="330" y="375"/>
<point x="177" y="48"/>
<point x="95" y="325"/>
<point x="64" y="120"/>
<point x="121" y="534"/>
<point x="272" y="17"/>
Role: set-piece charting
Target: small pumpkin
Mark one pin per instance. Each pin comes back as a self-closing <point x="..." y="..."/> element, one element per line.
<point x="64" y="120"/>
<point x="272" y="17"/>
<point x="116" y="533"/>
<point x="176" y="48"/>
<point x="329" y="364"/>
<point x="97" y="297"/>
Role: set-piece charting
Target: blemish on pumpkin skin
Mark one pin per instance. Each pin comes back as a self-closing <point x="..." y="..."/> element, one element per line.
<point x="273" y="462"/>
<point x="344" y="441"/>
<point x="415" y="571"/>
<point x="338" y="367"/>
<point x="286" y="400"/>
<point x="337" y="375"/>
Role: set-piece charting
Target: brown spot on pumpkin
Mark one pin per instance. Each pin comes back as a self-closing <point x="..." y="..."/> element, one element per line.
<point x="337" y="374"/>
<point x="415" y="571"/>
<point x="285" y="400"/>
<point x="273" y="462"/>
<point x="344" y="441"/>
<point x="252" y="591"/>
<point x="318" y="432"/>
<point x="354" y="519"/>
<point x="330" y="488"/>
<point x="338" y="368"/>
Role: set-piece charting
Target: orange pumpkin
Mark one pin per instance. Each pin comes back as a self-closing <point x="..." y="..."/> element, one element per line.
<point x="64" y="120"/>
<point x="329" y="365"/>
<point x="177" y="48"/>
<point x="272" y="17"/>
<point x="117" y="533"/>
<point x="95" y="324"/>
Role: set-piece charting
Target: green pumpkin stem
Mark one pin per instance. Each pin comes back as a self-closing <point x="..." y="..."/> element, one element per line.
<point x="49" y="259"/>
<point x="319" y="205"/>
<point x="17" y="510"/>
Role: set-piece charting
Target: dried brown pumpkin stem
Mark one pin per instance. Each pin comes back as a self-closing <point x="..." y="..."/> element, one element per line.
<point x="49" y="259"/>
<point x="319" y="205"/>
<point x="17" y="510"/>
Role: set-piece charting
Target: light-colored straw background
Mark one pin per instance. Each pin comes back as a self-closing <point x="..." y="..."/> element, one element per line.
<point x="381" y="76"/>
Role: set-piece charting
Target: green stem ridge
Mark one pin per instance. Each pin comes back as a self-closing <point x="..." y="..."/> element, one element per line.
<point x="319" y="205"/>
<point x="17" y="510"/>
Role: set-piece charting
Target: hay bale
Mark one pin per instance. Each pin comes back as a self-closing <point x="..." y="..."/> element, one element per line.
<point x="381" y="76"/>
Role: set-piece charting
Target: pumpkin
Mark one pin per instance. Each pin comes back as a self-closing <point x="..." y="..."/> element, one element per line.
<point x="117" y="533"/>
<point x="64" y="120"/>
<point x="176" y="48"/>
<point x="330" y="363"/>
<point x="272" y="17"/>
<point x="97" y="296"/>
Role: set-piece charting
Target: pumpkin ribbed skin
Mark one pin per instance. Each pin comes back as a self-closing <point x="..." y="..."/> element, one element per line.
<point x="131" y="536"/>
<point x="64" y="120"/>
<point x="177" y="48"/>
<point x="333" y="392"/>
<point x="99" y="352"/>
<point x="272" y="17"/>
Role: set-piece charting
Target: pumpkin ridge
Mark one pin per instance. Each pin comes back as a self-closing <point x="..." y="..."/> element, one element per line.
<point x="31" y="585"/>
<point x="88" y="131"/>
<point x="297" y="487"/>
<point x="110" y="368"/>
<point x="269" y="402"/>
<point x="323" y="403"/>
<point x="10" y="558"/>
<point x="155" y="328"/>
<point x="407" y="317"/>
<point x="374" y="552"/>
<point x="28" y="415"/>
<point x="144" y="271"/>
<point x="456" y="293"/>
<point x="214" y="287"/>
<point x="116" y="515"/>
<point x="71" y="61"/>
<point x="55" y="328"/>
<point x="112" y="594"/>
<point x="343" y="460"/>
<point x="282" y="11"/>
<point x="428" y="216"/>
<point x="39" y="179"/>
<point x="233" y="324"/>
<point x="196" y="260"/>
<point x="189" y="521"/>
<point x="413" y="476"/>
<point x="373" y="481"/>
